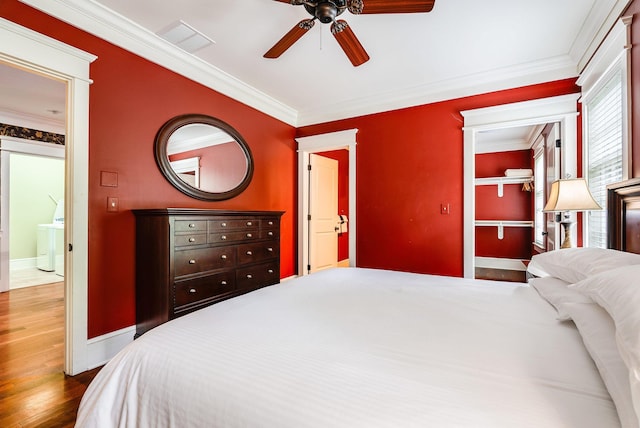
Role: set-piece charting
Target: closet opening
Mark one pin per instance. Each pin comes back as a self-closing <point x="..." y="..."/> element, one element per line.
<point x="513" y="171"/>
<point x="499" y="162"/>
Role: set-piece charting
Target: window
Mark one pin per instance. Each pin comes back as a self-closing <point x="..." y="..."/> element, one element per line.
<point x="605" y="124"/>
<point x="604" y="137"/>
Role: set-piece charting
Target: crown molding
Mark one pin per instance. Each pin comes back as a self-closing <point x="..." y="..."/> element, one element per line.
<point x="102" y="22"/>
<point x="557" y="68"/>
<point x="599" y="22"/>
<point x="32" y="121"/>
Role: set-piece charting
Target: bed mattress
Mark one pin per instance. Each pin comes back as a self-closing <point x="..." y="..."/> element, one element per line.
<point x="355" y="347"/>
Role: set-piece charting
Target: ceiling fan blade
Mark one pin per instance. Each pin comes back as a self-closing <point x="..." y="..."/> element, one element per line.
<point x="349" y="43"/>
<point x="390" y="6"/>
<point x="290" y="38"/>
<point x="293" y="2"/>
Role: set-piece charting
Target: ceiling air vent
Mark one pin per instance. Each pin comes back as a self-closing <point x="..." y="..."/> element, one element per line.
<point x="185" y="37"/>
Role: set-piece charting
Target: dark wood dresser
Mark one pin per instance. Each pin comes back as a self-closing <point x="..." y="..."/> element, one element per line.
<point x="187" y="259"/>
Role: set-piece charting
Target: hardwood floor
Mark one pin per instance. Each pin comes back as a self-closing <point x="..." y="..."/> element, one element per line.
<point x="34" y="391"/>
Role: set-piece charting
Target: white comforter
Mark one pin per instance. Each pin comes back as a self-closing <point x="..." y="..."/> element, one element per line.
<point x="358" y="348"/>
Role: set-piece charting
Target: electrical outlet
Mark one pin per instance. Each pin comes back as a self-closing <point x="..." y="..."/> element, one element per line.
<point x="444" y="209"/>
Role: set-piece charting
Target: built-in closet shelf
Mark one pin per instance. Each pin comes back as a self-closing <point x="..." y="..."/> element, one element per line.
<point x="501" y="224"/>
<point x="501" y="181"/>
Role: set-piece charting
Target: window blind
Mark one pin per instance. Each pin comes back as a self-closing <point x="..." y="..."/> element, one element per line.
<point x="604" y="122"/>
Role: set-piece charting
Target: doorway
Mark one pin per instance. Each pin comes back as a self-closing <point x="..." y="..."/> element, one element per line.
<point x="561" y="109"/>
<point x="30" y="51"/>
<point x="31" y="213"/>
<point x="316" y="144"/>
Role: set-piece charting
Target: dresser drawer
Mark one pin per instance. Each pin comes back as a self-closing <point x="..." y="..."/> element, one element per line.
<point x="270" y="222"/>
<point x="257" y="276"/>
<point x="190" y="239"/>
<point x="203" y="289"/>
<point x="269" y="233"/>
<point x="249" y="253"/>
<point x="232" y="224"/>
<point x="233" y="236"/>
<point x="190" y="226"/>
<point x="203" y="259"/>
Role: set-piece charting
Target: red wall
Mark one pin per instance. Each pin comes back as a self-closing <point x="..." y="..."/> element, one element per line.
<point x="409" y="162"/>
<point x="342" y="156"/>
<point x="515" y="204"/>
<point x="130" y="99"/>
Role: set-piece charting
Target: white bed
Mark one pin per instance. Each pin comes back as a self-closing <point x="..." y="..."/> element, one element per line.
<point x="353" y="347"/>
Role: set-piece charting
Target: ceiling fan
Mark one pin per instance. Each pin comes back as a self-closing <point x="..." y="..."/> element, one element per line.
<point x="326" y="11"/>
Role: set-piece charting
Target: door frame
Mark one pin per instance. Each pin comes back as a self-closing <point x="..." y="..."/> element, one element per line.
<point x="563" y="109"/>
<point x="35" y="52"/>
<point x="316" y="144"/>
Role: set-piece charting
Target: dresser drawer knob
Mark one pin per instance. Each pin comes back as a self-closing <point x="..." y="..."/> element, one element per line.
<point x="270" y="249"/>
<point x="270" y="233"/>
<point x="249" y="253"/>
<point x="192" y="225"/>
<point x="192" y="262"/>
<point x="270" y="270"/>
<point x="249" y="235"/>
<point x="270" y="223"/>
<point x="249" y="223"/>
<point x="249" y="276"/>
<point x="192" y="239"/>
<point x="223" y="282"/>
<point x="223" y="237"/>
<point x="223" y="224"/>
<point x="223" y="257"/>
<point x="192" y="290"/>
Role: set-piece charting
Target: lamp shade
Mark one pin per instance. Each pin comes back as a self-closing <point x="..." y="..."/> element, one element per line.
<point x="571" y="194"/>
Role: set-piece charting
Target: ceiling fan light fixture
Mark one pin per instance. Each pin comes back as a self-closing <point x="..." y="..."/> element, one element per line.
<point x="326" y="12"/>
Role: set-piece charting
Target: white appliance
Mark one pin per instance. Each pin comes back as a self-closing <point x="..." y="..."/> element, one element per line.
<point x="50" y="243"/>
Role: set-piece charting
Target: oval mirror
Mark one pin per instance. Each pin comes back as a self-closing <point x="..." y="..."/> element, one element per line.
<point x="203" y="157"/>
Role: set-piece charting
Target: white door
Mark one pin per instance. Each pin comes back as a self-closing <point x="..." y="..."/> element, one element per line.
<point x="552" y="159"/>
<point x="323" y="213"/>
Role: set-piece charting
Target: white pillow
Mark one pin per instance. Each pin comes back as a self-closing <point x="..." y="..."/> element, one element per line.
<point x="536" y="270"/>
<point x="598" y="334"/>
<point x="556" y="292"/>
<point x="618" y="292"/>
<point x="575" y="264"/>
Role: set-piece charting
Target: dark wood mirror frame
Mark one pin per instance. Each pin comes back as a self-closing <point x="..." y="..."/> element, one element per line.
<point x="162" y="159"/>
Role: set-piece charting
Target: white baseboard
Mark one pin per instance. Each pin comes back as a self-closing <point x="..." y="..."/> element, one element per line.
<point x="102" y="348"/>
<point x="500" y="263"/>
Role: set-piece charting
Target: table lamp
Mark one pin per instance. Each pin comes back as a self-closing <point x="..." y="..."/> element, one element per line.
<point x="570" y="194"/>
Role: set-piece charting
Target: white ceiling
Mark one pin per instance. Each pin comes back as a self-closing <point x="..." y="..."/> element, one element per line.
<point x="31" y="100"/>
<point x="462" y="47"/>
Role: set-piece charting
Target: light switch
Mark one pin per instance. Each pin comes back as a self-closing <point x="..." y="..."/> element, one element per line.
<point x="112" y="204"/>
<point x="444" y="209"/>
